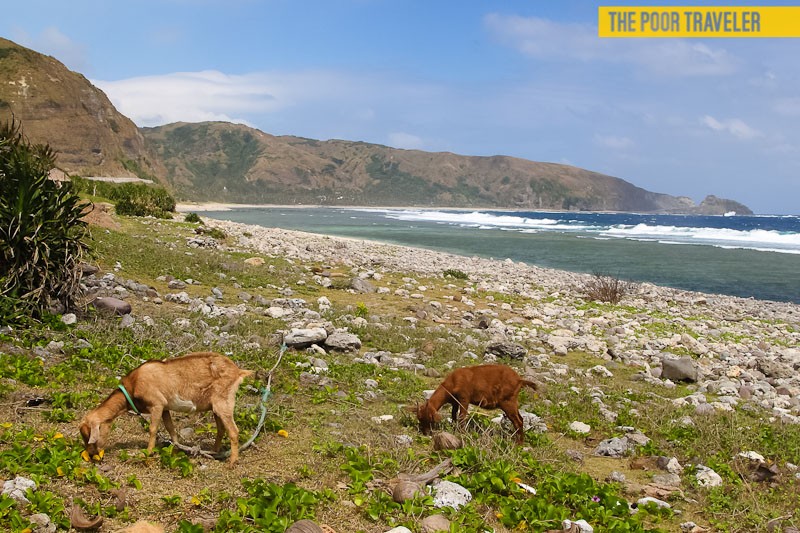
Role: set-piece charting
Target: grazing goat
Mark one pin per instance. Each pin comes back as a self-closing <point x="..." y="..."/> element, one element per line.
<point x="203" y="381"/>
<point x="487" y="386"/>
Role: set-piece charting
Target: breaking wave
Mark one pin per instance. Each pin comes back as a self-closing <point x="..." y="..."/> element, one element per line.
<point x="607" y="225"/>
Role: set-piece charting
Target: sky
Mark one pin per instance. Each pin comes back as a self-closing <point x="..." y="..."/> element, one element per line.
<point x="530" y="79"/>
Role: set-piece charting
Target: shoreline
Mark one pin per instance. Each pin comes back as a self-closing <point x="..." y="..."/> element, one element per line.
<point x="491" y="274"/>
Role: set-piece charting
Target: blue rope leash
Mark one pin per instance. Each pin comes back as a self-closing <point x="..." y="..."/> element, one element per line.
<point x="265" y="393"/>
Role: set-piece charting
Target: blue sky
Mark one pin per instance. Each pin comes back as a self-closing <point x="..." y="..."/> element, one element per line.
<point x="523" y="78"/>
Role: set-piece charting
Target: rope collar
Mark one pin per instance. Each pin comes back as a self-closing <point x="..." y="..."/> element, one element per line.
<point x="128" y="397"/>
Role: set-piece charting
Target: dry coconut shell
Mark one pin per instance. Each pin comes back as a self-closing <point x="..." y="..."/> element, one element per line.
<point x="446" y="441"/>
<point x="304" y="526"/>
<point x="406" y="490"/>
<point x="79" y="520"/>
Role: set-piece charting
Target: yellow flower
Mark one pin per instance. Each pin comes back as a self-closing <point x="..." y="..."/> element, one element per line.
<point x="38" y="439"/>
<point x="99" y="455"/>
<point x="26" y="530"/>
<point x="196" y="501"/>
<point x="516" y="480"/>
<point x="85" y="456"/>
<point x="6" y="425"/>
<point x="498" y="515"/>
<point x="283" y="433"/>
<point x="58" y="436"/>
<point x="60" y="471"/>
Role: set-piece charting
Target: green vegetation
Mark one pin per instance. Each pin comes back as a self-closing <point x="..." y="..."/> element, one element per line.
<point x="133" y="199"/>
<point x="41" y="231"/>
<point x="320" y="455"/>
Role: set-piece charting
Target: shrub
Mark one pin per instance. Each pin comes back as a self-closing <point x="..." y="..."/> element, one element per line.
<point x="455" y="273"/>
<point x="193" y="217"/>
<point x="41" y="228"/>
<point x="606" y="288"/>
<point x="139" y="200"/>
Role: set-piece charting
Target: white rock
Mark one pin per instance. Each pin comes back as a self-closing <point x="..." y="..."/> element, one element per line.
<point x="650" y="499"/>
<point x="69" y="318"/>
<point x="580" y="427"/>
<point x="583" y="526"/>
<point x="17" y="487"/>
<point x="753" y="456"/>
<point x="449" y="494"/>
<point x="381" y="419"/>
<point x="399" y="529"/>
<point x="707" y="477"/>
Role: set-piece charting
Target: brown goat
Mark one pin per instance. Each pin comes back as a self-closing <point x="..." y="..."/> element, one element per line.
<point x="487" y="386"/>
<point x="203" y="381"/>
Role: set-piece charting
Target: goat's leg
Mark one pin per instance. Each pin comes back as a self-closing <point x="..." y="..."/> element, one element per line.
<point x="167" y="418"/>
<point x="155" y="418"/>
<point x="511" y="409"/>
<point x="226" y="416"/>
<point x="461" y="409"/>
<point x="220" y="429"/>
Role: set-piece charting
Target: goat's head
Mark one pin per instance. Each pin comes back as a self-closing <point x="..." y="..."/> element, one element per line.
<point x="427" y="417"/>
<point x="94" y="433"/>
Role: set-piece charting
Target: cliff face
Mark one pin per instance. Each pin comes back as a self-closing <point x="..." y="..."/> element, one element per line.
<point x="229" y="162"/>
<point x="62" y="108"/>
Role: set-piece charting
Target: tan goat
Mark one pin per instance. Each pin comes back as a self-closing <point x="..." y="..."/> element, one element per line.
<point x="203" y="381"/>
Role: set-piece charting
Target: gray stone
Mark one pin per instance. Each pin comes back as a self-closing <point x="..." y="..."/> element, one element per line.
<point x="343" y="341"/>
<point x="682" y="369"/>
<point x="17" y="487"/>
<point x="69" y="319"/>
<point x="362" y="285"/>
<point x="614" y="447"/>
<point x="176" y="284"/>
<point x="774" y="369"/>
<point x="302" y="338"/>
<point x="399" y="529"/>
<point x="506" y="349"/>
<point x="449" y="494"/>
<point x="111" y="306"/>
<point x="127" y="321"/>
<point x="670" y="480"/>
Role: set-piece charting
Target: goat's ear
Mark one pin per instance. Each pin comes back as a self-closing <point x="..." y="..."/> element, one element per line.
<point x="95" y="434"/>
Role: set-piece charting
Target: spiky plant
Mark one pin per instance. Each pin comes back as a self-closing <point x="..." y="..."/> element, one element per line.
<point x="41" y="227"/>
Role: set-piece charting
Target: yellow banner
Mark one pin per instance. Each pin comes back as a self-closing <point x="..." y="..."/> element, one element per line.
<point x="687" y="21"/>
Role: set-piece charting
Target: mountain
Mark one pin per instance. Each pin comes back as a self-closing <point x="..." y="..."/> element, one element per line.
<point x="62" y="108"/>
<point x="234" y="163"/>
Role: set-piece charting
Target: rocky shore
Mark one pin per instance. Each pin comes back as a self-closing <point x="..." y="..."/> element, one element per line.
<point x="734" y="349"/>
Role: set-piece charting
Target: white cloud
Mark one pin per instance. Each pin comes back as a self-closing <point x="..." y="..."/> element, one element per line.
<point x="734" y="126"/>
<point x="613" y="142"/>
<point x="52" y="41"/>
<point x="545" y="39"/>
<point x="334" y="99"/>
<point x="405" y="140"/>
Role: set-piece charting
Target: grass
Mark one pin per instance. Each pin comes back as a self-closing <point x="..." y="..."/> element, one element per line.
<point x="335" y="464"/>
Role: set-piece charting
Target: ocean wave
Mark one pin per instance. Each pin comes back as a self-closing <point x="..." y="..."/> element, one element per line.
<point x="483" y="220"/>
<point x="597" y="228"/>
<point x="756" y="239"/>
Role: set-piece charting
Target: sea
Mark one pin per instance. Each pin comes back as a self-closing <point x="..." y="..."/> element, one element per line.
<point x="748" y="256"/>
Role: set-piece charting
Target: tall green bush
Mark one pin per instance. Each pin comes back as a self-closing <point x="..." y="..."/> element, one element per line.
<point x="41" y="229"/>
<point x="139" y="200"/>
